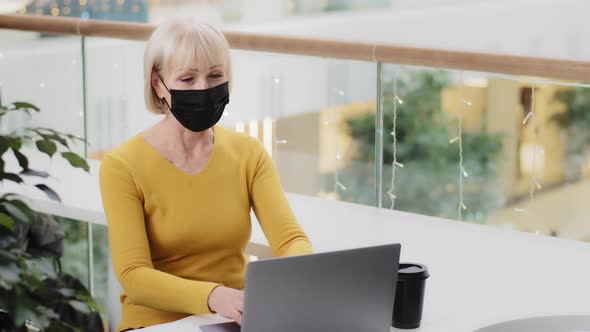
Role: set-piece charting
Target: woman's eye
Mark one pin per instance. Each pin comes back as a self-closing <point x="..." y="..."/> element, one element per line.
<point x="216" y="76"/>
<point x="188" y="79"/>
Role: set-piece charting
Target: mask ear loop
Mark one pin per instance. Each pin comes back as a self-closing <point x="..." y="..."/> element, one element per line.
<point x="163" y="100"/>
<point x="164" y="103"/>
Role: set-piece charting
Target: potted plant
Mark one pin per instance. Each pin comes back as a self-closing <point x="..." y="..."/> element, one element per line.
<point x="35" y="294"/>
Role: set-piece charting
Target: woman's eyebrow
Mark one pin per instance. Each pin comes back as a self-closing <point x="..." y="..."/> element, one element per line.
<point x="197" y="69"/>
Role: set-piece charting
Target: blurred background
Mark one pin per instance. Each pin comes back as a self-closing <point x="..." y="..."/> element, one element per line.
<point x="316" y="116"/>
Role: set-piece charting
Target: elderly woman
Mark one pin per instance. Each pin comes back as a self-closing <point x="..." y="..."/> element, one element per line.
<point x="178" y="195"/>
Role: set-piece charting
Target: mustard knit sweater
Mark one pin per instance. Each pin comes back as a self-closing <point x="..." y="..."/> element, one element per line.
<point x="174" y="237"/>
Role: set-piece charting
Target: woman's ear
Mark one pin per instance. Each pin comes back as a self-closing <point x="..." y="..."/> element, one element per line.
<point x="155" y="80"/>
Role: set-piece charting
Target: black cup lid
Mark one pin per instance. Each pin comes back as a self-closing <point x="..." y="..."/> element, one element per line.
<point x="412" y="271"/>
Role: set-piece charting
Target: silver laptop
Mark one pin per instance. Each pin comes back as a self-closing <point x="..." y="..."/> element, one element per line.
<point x="350" y="290"/>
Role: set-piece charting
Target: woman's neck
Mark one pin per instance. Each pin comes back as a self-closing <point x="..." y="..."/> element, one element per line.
<point x="175" y="137"/>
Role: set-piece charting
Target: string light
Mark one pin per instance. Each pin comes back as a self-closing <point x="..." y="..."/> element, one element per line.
<point x="534" y="181"/>
<point x="338" y="185"/>
<point x="277" y="80"/>
<point x="394" y="164"/>
<point x="459" y="139"/>
<point x="339" y="91"/>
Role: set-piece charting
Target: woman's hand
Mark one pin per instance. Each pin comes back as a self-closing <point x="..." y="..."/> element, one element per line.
<point x="227" y="302"/>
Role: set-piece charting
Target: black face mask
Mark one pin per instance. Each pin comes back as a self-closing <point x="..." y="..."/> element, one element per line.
<point x="198" y="110"/>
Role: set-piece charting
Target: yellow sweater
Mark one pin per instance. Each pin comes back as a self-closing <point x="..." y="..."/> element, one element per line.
<point x="174" y="236"/>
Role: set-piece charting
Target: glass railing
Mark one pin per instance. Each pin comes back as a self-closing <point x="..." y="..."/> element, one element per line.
<point x="488" y="148"/>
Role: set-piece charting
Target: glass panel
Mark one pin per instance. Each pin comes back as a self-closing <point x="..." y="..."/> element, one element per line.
<point x="502" y="159"/>
<point x="426" y="173"/>
<point x="300" y="107"/>
<point x="115" y="103"/>
<point x="551" y="162"/>
<point x="46" y="72"/>
<point x="100" y="247"/>
<point x="75" y="258"/>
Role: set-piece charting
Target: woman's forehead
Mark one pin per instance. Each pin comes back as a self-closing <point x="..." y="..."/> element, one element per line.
<point x="195" y="65"/>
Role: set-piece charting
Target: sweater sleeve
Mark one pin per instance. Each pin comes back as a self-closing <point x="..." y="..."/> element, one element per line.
<point x="144" y="285"/>
<point x="284" y="234"/>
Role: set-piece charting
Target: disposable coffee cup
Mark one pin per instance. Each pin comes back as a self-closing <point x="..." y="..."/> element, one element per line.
<point x="409" y="295"/>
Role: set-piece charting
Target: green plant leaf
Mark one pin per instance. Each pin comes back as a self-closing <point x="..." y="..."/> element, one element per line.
<point x="48" y="312"/>
<point x="4" y="144"/>
<point x="76" y="160"/>
<point x="10" y="272"/>
<point x="24" y="207"/>
<point x="6" y="221"/>
<point x="49" y="192"/>
<point x="23" y="161"/>
<point x="8" y="195"/>
<point x="49" y="134"/>
<point x="32" y="172"/>
<point x="46" y="146"/>
<point x="79" y="306"/>
<point x="59" y="139"/>
<point x="21" y="311"/>
<point x="17" y="212"/>
<point x="15" y="142"/>
<point x="11" y="177"/>
<point x="5" y="285"/>
<point x="39" y="316"/>
<point x="66" y="292"/>
<point x="75" y="138"/>
<point x="5" y="110"/>
<point x="84" y="295"/>
<point x="43" y="266"/>
<point x="61" y="326"/>
<point x="22" y="104"/>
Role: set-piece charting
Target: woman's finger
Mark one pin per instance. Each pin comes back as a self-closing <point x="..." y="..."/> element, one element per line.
<point x="237" y="316"/>
<point x="239" y="305"/>
<point x="239" y="320"/>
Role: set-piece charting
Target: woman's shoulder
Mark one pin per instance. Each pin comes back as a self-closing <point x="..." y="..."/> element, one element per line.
<point x="238" y="141"/>
<point x="126" y="153"/>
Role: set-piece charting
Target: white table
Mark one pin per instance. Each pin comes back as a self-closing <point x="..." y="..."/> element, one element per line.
<point x="190" y="323"/>
<point x="480" y="275"/>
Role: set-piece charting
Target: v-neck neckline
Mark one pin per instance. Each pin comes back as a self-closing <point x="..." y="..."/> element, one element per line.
<point x="164" y="160"/>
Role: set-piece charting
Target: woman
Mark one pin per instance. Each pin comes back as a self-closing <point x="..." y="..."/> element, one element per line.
<point x="178" y="196"/>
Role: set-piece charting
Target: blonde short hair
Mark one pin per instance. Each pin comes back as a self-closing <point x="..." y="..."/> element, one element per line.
<point x="182" y="41"/>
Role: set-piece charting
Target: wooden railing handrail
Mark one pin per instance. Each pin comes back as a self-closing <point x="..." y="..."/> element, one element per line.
<point x="404" y="55"/>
